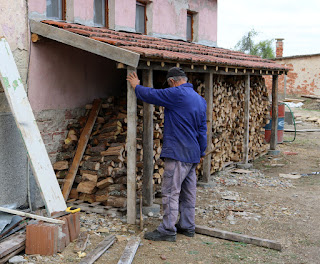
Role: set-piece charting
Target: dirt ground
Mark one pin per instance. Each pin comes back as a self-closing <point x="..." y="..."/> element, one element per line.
<point x="259" y="203"/>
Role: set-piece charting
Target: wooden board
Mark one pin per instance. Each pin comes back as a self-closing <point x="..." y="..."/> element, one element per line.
<point x="82" y="144"/>
<point x="25" y="120"/>
<point x="203" y="230"/>
<point x="130" y="250"/>
<point x="93" y="255"/>
<point x="12" y="254"/>
<point x="75" y="40"/>
<point x="12" y="243"/>
<point x="38" y="217"/>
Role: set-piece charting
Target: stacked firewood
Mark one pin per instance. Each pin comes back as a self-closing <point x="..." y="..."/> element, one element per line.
<point x="102" y="172"/>
<point x="228" y="120"/>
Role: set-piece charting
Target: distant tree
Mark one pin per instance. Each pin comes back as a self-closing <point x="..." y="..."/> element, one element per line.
<point x="263" y="49"/>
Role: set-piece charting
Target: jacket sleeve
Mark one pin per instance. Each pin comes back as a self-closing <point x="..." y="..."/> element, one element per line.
<point x="202" y="137"/>
<point x="164" y="97"/>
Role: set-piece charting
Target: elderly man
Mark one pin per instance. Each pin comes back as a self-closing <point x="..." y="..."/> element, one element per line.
<point x="184" y="144"/>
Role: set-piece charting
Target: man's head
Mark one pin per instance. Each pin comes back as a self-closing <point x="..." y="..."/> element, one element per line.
<point x="176" y="76"/>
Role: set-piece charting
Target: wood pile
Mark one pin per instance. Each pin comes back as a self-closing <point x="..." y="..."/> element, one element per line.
<point x="102" y="173"/>
<point x="228" y="120"/>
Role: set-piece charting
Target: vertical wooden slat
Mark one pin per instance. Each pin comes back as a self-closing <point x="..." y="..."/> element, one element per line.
<point x="274" y="124"/>
<point x="209" y="99"/>
<point x="246" y="120"/>
<point x="147" y="186"/>
<point x="131" y="151"/>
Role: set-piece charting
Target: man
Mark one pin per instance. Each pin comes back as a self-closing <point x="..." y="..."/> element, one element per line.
<point x="184" y="143"/>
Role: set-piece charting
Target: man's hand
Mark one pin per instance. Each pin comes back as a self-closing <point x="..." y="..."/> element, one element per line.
<point x="201" y="159"/>
<point x="133" y="80"/>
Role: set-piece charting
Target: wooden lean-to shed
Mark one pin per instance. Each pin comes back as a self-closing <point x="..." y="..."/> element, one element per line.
<point x="229" y="80"/>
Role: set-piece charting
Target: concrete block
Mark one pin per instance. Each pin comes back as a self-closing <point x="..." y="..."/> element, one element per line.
<point x="154" y="209"/>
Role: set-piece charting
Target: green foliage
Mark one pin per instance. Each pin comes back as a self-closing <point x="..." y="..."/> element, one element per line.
<point x="263" y="48"/>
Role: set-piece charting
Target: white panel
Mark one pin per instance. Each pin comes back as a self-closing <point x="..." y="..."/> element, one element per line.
<point x="22" y="112"/>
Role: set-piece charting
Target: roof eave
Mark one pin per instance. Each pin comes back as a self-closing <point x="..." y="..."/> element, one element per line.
<point x="111" y="52"/>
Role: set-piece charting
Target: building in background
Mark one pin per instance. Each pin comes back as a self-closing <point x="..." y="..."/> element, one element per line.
<point x="303" y="79"/>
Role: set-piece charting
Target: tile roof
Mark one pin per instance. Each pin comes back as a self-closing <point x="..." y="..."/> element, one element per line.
<point x="174" y="50"/>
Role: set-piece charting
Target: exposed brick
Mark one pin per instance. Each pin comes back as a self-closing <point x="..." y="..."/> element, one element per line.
<point x="74" y="225"/>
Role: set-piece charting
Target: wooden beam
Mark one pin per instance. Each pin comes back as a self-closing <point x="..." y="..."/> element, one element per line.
<point x="26" y="123"/>
<point x="246" y="120"/>
<point x="130" y="250"/>
<point x="75" y="40"/>
<point x="93" y="255"/>
<point x="147" y="187"/>
<point x="274" y="123"/>
<point x="213" y="232"/>
<point x="82" y="144"/>
<point x="209" y="99"/>
<point x="132" y="151"/>
<point x="35" y="38"/>
<point x="33" y="216"/>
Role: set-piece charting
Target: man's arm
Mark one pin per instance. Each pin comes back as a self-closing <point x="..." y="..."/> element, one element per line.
<point x="163" y="97"/>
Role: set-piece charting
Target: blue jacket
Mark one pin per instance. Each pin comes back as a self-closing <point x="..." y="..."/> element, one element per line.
<point x="185" y="127"/>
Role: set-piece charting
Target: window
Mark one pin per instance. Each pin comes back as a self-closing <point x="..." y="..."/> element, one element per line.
<point x="101" y="13"/>
<point x="56" y="9"/>
<point x="189" y="26"/>
<point x="141" y="17"/>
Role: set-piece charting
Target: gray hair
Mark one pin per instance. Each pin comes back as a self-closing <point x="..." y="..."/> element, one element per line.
<point x="178" y="78"/>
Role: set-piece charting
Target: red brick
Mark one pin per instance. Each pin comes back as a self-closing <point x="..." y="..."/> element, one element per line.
<point x="42" y="238"/>
<point x="74" y="225"/>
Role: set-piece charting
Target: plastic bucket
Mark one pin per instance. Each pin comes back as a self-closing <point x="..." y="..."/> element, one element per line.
<point x="281" y="114"/>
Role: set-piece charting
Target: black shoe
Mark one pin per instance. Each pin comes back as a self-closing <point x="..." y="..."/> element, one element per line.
<point x="157" y="236"/>
<point x="186" y="232"/>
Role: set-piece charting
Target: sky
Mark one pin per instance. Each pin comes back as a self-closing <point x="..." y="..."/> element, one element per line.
<point x="297" y="21"/>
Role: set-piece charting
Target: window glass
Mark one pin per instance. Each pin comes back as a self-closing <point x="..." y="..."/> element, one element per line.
<point x="54" y="9"/>
<point x="99" y="13"/>
<point x="189" y="27"/>
<point x="140" y="18"/>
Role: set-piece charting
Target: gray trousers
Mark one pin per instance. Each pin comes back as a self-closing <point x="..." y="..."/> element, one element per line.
<point x="179" y="186"/>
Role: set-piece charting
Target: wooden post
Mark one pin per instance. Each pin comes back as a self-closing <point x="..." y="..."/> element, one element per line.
<point x="147" y="187"/>
<point x="131" y="151"/>
<point x="246" y="119"/>
<point x="274" y="124"/>
<point x="209" y="99"/>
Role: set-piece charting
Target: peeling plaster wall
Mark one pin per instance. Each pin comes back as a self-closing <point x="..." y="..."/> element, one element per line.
<point x="303" y="79"/>
<point x="13" y="156"/>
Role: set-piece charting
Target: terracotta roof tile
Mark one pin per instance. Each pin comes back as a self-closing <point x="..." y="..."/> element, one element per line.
<point x="174" y="50"/>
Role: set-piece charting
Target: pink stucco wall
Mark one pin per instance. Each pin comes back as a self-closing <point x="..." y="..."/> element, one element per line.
<point x="125" y="14"/>
<point x="38" y="6"/>
<point x="83" y="11"/>
<point x="63" y="77"/>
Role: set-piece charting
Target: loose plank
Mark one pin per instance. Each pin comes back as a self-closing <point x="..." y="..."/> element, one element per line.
<point x="203" y="230"/>
<point x="38" y="217"/>
<point x="83" y="141"/>
<point x="130" y="250"/>
<point x="26" y="123"/>
<point x="99" y="250"/>
<point x="12" y="243"/>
